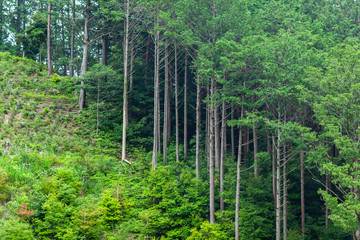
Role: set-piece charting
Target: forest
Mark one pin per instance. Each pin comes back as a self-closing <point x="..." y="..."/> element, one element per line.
<point x="180" y="119"/>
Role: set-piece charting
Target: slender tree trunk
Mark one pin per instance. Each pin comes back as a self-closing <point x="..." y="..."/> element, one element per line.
<point x="185" y="105"/>
<point x="125" y="94"/>
<point x="84" y="63"/>
<point x="217" y="132"/>
<point x="49" y="40"/>
<point x="328" y="188"/>
<point x="211" y="159"/>
<point x="64" y="44"/>
<point x="166" y="104"/>
<point x="284" y="195"/>
<point x="274" y="172"/>
<point x="278" y="185"/>
<point x="72" y="41"/>
<point x="302" y="172"/>
<point x="238" y="179"/>
<point x="156" y="94"/>
<point x="232" y="132"/>
<point x="207" y="125"/>
<point x="255" y="141"/>
<point x="104" y="50"/>
<point x="198" y="121"/>
<point x="222" y="154"/>
<point x="176" y="105"/>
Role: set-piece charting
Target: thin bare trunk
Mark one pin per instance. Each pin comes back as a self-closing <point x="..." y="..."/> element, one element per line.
<point x="207" y="125"/>
<point x="72" y="41"/>
<point x="198" y="120"/>
<point x="278" y="185"/>
<point x="84" y="63"/>
<point x="274" y="171"/>
<point x="176" y="106"/>
<point x="302" y="172"/>
<point x="255" y="142"/>
<point x="217" y="132"/>
<point x="156" y="95"/>
<point x="328" y="188"/>
<point x="232" y="132"/>
<point x="125" y="94"/>
<point x="238" y="179"/>
<point x="49" y="40"/>
<point x="64" y="44"/>
<point x="166" y="104"/>
<point x="211" y="158"/>
<point x="222" y="155"/>
<point x="284" y="195"/>
<point x="185" y="104"/>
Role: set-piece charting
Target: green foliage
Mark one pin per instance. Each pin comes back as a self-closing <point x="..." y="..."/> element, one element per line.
<point x="35" y="35"/>
<point x="15" y="229"/>
<point x="110" y="208"/>
<point x="207" y="231"/>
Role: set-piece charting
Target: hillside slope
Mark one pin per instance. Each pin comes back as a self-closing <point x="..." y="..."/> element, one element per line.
<point x="52" y="173"/>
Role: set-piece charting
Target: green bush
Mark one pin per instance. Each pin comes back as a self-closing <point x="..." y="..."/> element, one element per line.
<point x="15" y="229"/>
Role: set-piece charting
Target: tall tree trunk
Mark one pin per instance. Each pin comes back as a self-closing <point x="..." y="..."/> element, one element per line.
<point x="104" y="49"/>
<point x="72" y="41"/>
<point x="207" y="125"/>
<point x="176" y="105"/>
<point x="217" y="132"/>
<point x="278" y="185"/>
<point x="166" y="104"/>
<point x="238" y="179"/>
<point x="64" y="44"/>
<point x="84" y="63"/>
<point x="185" y="105"/>
<point x="255" y="142"/>
<point x="222" y="154"/>
<point x="125" y="94"/>
<point x="49" y="40"/>
<point x="302" y="194"/>
<point x="198" y="121"/>
<point x="274" y="171"/>
<point x="328" y="188"/>
<point x="232" y="132"/>
<point x="156" y="94"/>
<point x="284" y="195"/>
<point x="211" y="158"/>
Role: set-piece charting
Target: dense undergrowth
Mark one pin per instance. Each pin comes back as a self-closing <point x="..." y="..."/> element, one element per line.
<point x="59" y="179"/>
